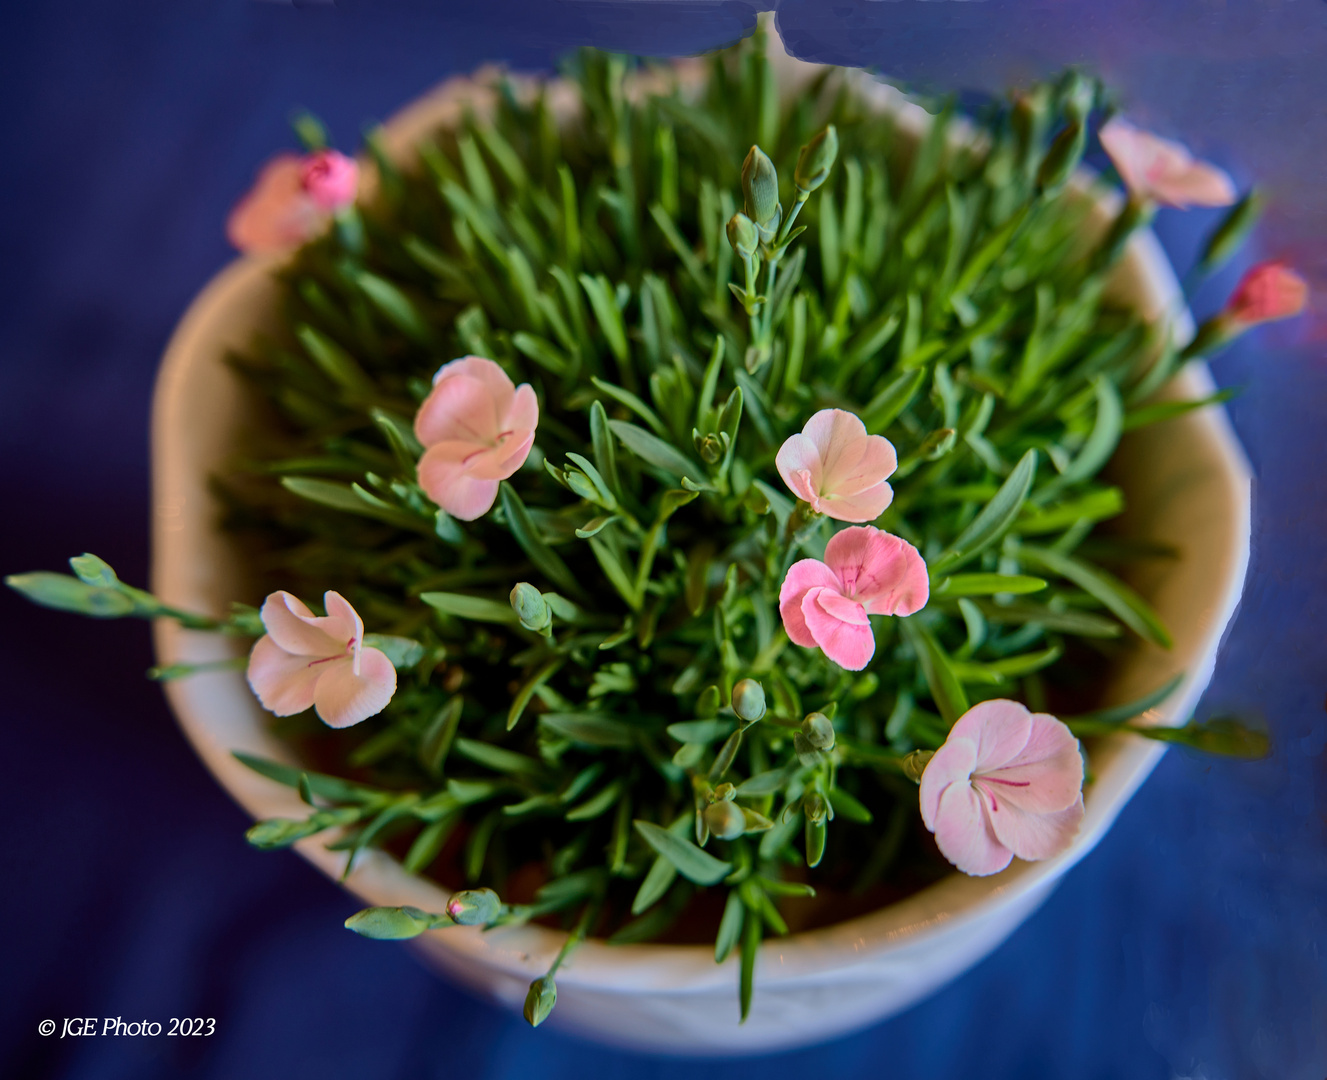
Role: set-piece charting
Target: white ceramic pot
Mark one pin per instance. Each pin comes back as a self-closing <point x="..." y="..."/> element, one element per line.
<point x="1187" y="484"/>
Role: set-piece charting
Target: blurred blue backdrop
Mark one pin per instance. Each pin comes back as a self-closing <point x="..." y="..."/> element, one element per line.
<point x="1192" y="943"/>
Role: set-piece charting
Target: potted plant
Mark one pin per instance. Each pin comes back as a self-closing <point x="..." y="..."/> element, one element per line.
<point x="730" y="563"/>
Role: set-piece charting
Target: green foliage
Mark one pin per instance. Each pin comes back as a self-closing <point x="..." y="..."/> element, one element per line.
<point x="595" y="672"/>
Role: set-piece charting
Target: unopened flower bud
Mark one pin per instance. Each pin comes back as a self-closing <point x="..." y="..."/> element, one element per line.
<point x="816" y="159"/>
<point x="330" y="179"/>
<point x="815" y="808"/>
<point x="1231" y="233"/>
<point x="1079" y="96"/>
<point x="725" y="819"/>
<point x="725" y="792"/>
<point x="540" y="1000"/>
<point x="1062" y="158"/>
<point x="742" y="235"/>
<point x="749" y="700"/>
<point x="530" y="607"/>
<point x="819" y="731"/>
<point x="915" y="764"/>
<point x="473" y="907"/>
<point x="760" y="188"/>
<point x="710" y="448"/>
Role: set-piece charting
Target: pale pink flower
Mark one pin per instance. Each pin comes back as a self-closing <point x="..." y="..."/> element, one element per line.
<point x="1163" y="171"/>
<point x="331" y="179"/>
<point x="477" y="429"/>
<point x="838" y="468"/>
<point x="1268" y="291"/>
<point x="304" y="660"/>
<point x="866" y="572"/>
<point x="292" y="201"/>
<point x="1006" y="782"/>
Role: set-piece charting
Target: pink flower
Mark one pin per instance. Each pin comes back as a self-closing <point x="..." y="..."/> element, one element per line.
<point x="838" y="468"/>
<point x="866" y="572"/>
<point x="1006" y="782"/>
<point x="477" y="429"/>
<point x="292" y="201"/>
<point x="305" y="660"/>
<point x="1268" y="291"/>
<point x="331" y="179"/>
<point x="1164" y="171"/>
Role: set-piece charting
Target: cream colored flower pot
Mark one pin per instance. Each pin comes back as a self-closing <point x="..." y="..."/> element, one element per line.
<point x="1187" y="484"/>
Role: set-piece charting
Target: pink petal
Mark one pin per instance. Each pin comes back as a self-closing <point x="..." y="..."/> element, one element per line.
<point x="802" y="576"/>
<point x="297" y="630"/>
<point x="832" y="431"/>
<point x="964" y="835"/>
<point x="798" y="462"/>
<point x="343" y="698"/>
<point x="861" y="465"/>
<point x="488" y="372"/>
<point x="998" y="728"/>
<point x="277" y="214"/>
<point x="1270" y="290"/>
<point x="522" y="415"/>
<point x="447" y="483"/>
<point x="837" y="606"/>
<point x="952" y="764"/>
<point x="282" y="681"/>
<point x="499" y="462"/>
<point x="849" y="644"/>
<point x="1046" y="775"/>
<point x="339" y="607"/>
<point x="1029" y="835"/>
<point x="864" y="506"/>
<point x="885" y="573"/>
<point x="1200" y="184"/>
<point x="460" y="408"/>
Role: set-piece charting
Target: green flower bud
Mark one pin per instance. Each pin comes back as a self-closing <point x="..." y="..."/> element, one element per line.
<point x="69" y="594"/>
<point x="749" y="700"/>
<point x="473" y="907"/>
<point x="710" y="448"/>
<point x="540" y="1000"/>
<point x="707" y="705"/>
<point x="760" y="189"/>
<point x="815" y="808"/>
<point x="915" y="764"/>
<point x="1079" y="95"/>
<point x="819" y="731"/>
<point x="1028" y="118"/>
<point x="742" y="235"/>
<point x="93" y="571"/>
<point x="530" y="607"/>
<point x="1228" y="237"/>
<point x="725" y="819"/>
<point x="816" y="159"/>
<point x="1062" y="158"/>
<point x="390" y="923"/>
<point x="725" y="792"/>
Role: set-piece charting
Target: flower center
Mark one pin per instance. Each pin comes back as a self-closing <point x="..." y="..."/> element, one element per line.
<point x="502" y="436"/>
<point x="978" y="781"/>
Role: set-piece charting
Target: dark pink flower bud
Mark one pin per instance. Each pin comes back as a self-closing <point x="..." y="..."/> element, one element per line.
<point x="330" y="179"/>
<point x="1269" y="291"/>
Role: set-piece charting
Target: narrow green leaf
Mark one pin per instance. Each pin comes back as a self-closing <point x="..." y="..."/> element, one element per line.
<point x="995" y="518"/>
<point x="691" y="862"/>
<point x="1168" y="410"/>
<point x="730" y="926"/>
<point x="528" y="688"/>
<point x="606" y="313"/>
<point x="946" y="690"/>
<point x="884" y="408"/>
<point x="1122" y="602"/>
<point x="849" y="806"/>
<point x="654" y="451"/>
<point x="476" y="608"/>
<point x="392" y="923"/>
<point x="352" y="499"/>
<point x="398" y="308"/>
<point x="1118" y="714"/>
<point x="632" y="402"/>
<point x="700" y="731"/>
<point x="750" y="946"/>
<point x="593" y="729"/>
<point x="497" y="759"/>
<point x="543" y="556"/>
<point x="986" y="585"/>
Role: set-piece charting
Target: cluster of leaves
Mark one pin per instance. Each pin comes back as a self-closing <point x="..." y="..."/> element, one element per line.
<point x="943" y="292"/>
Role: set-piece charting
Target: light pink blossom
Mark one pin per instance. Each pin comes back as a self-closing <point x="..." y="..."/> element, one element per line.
<point x="838" y="468"/>
<point x="1163" y="171"/>
<point x="292" y="201"/>
<point x="1268" y="291"/>
<point x="866" y="572"/>
<point x="477" y="429"/>
<point x="304" y="660"/>
<point x="1006" y="782"/>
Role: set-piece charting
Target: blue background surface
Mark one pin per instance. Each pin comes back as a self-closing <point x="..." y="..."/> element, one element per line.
<point x="1192" y="943"/>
